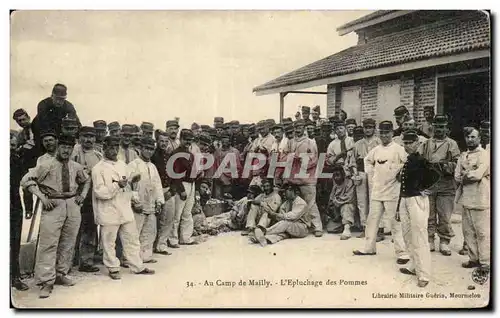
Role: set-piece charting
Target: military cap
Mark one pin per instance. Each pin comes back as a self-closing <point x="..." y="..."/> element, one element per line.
<point x="339" y="122"/>
<point x="234" y="122"/>
<point x="219" y="125"/>
<point x="147" y="141"/>
<point x="277" y="126"/>
<point x="213" y="132"/>
<point x="218" y="119"/>
<point x="60" y="90"/>
<point x="270" y="122"/>
<point x="326" y="124"/>
<point x="369" y="122"/>
<point x="306" y="109"/>
<point x="400" y="111"/>
<point x="137" y="130"/>
<point x="172" y="123"/>
<point x="350" y="121"/>
<point x="288" y="127"/>
<point x="254" y="189"/>
<point x="114" y="125"/>
<point x="147" y="126"/>
<point x="195" y="126"/>
<point x="428" y="108"/>
<point x="299" y="123"/>
<point x="410" y="135"/>
<point x="66" y="140"/>
<point x="205" y="127"/>
<point x="261" y="123"/>
<point x="48" y="132"/>
<point x="112" y="140"/>
<point x="187" y="134"/>
<point x="245" y="126"/>
<point x="251" y="127"/>
<point x="100" y="125"/>
<point x="225" y="134"/>
<point x="440" y="120"/>
<point x="334" y="118"/>
<point x="358" y="131"/>
<point x="69" y="122"/>
<point x="205" y="140"/>
<point x="86" y="130"/>
<point x="287" y="120"/>
<point x="128" y="129"/>
<point x="317" y="109"/>
<point x="485" y="125"/>
<point x="385" y="125"/>
<point x="18" y="113"/>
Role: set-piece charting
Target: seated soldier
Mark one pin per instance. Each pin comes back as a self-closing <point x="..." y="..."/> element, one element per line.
<point x="292" y="219"/>
<point x="341" y="204"/>
<point x="264" y="203"/>
<point x="240" y="209"/>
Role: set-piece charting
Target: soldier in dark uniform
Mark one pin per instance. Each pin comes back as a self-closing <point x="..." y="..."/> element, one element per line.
<point x="101" y="129"/>
<point x="16" y="214"/>
<point x="400" y="113"/>
<point x="52" y="110"/>
<point x="416" y="177"/>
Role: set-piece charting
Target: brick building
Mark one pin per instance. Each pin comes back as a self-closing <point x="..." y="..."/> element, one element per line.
<point x="414" y="58"/>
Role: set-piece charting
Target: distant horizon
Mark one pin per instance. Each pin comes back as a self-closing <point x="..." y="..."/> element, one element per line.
<point x="135" y="66"/>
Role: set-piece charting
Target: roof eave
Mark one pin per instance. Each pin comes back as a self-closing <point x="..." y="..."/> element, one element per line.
<point x="379" y="71"/>
<point x="348" y="27"/>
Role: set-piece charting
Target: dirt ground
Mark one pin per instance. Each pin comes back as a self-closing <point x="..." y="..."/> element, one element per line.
<point x="211" y="275"/>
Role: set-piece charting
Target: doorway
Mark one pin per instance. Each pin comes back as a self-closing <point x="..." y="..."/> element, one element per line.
<point x="465" y="99"/>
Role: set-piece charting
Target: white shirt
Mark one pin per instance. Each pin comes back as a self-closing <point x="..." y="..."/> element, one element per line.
<point x="334" y="149"/>
<point x="149" y="188"/>
<point x="382" y="164"/>
<point x="112" y="205"/>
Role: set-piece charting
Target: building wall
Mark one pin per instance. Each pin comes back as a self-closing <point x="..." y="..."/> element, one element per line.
<point x="417" y="90"/>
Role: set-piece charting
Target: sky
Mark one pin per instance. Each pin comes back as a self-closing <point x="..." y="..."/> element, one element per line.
<point x="134" y="66"/>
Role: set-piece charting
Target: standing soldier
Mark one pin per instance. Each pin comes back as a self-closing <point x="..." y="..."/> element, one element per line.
<point x="86" y="243"/>
<point x="324" y="185"/>
<point x="147" y="129"/>
<point x="417" y="177"/>
<point x="400" y="114"/>
<point x="382" y="165"/>
<point x="150" y="198"/>
<point x="101" y="130"/>
<point x="114" y="128"/>
<point x="316" y="113"/>
<point x="442" y="152"/>
<point x="126" y="153"/>
<point x="338" y="148"/>
<point x="306" y="112"/>
<point x="357" y="166"/>
<point x="302" y="148"/>
<point x="473" y="195"/>
<point x="427" y="127"/>
<point x="16" y="215"/>
<point x="280" y="151"/>
<point x="61" y="185"/>
<point x="112" y="200"/>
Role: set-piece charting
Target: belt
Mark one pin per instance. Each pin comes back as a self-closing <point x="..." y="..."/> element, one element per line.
<point x="63" y="195"/>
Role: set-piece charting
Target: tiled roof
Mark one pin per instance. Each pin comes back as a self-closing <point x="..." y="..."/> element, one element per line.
<point x="427" y="41"/>
<point x="367" y="17"/>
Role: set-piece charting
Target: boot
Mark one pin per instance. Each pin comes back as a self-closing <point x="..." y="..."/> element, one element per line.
<point x="19" y="285"/>
<point x="432" y="245"/>
<point x="444" y="249"/>
<point x="347" y="233"/>
<point x="362" y="234"/>
<point x="64" y="280"/>
<point x="380" y="235"/>
<point x="46" y="290"/>
<point x="463" y="251"/>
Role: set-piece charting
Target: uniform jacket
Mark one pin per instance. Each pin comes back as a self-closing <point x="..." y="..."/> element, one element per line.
<point x="417" y="175"/>
<point x="149" y="189"/>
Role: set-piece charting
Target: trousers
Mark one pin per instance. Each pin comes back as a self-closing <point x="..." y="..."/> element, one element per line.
<point x="414" y="212"/>
<point x="146" y="227"/>
<point x="129" y="238"/>
<point x="86" y="242"/>
<point x="362" y="198"/>
<point x="165" y="223"/>
<point x="255" y="216"/>
<point x="286" y="229"/>
<point x="344" y="214"/>
<point x="441" y="209"/>
<point x="183" y="226"/>
<point x="16" y="227"/>
<point x="476" y="229"/>
<point x="308" y="193"/>
<point x="377" y="209"/>
<point x="57" y="237"/>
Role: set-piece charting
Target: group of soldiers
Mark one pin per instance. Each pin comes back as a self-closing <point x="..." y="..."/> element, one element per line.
<point x="109" y="187"/>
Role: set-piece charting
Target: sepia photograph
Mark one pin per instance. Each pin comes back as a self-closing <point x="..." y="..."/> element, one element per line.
<point x="177" y="159"/>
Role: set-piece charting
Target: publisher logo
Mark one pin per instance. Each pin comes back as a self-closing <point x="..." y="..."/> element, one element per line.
<point x="480" y="275"/>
